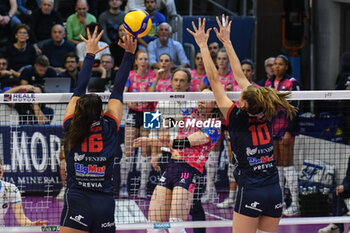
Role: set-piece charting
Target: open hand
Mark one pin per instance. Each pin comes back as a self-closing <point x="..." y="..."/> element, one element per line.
<point x="225" y="29"/>
<point x="200" y="35"/>
<point x="92" y="41"/>
<point x="129" y="44"/>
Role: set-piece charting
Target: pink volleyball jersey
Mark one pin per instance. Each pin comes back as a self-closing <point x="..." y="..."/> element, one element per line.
<point x="227" y="79"/>
<point x="164" y="85"/>
<point x="137" y="83"/>
<point x="196" y="156"/>
<point x="196" y="80"/>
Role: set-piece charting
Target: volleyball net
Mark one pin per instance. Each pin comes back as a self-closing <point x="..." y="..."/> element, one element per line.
<point x="31" y="153"/>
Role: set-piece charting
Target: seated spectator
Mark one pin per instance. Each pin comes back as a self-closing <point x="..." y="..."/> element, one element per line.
<point x="32" y="113"/>
<point x="268" y="64"/>
<point x="107" y="63"/>
<point x="117" y="51"/>
<point x="41" y="22"/>
<point x="248" y="69"/>
<point x="214" y="48"/>
<point x="8" y="78"/>
<point x="71" y="65"/>
<point x="8" y="9"/>
<point x="21" y="53"/>
<point x="26" y="11"/>
<point x="34" y="75"/>
<point x="166" y="6"/>
<point x="57" y="47"/>
<point x="81" y="47"/>
<point x="165" y="44"/>
<point x="198" y="74"/>
<point x="157" y="18"/>
<point x="110" y="20"/>
<point x="77" y="22"/>
<point x="339" y="206"/>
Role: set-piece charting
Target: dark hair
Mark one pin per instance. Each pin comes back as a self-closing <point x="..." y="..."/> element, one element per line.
<point x="71" y="54"/>
<point x="42" y="60"/>
<point x="286" y="61"/>
<point x="92" y="27"/>
<point x="87" y="110"/>
<point x="22" y="26"/>
<point x="186" y="71"/>
<point x="248" y="62"/>
<point x="167" y="55"/>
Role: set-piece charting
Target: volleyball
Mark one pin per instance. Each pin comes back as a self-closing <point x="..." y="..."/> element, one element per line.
<point x="137" y="23"/>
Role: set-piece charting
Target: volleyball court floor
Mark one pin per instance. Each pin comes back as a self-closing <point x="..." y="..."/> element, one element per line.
<point x="134" y="210"/>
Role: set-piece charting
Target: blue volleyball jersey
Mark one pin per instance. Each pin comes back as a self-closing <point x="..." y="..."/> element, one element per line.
<point x="252" y="146"/>
<point x="90" y="165"/>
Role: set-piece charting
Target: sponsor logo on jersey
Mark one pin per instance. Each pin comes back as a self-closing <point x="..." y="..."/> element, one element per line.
<point x="162" y="179"/>
<point x="107" y="224"/>
<point x="253" y="206"/>
<point x="78" y="157"/>
<point x="90" y="184"/>
<point x="183" y="181"/>
<point x="279" y="205"/>
<point x="89" y="170"/>
<point x="262" y="159"/>
<point x="251" y="151"/>
<point x="78" y="219"/>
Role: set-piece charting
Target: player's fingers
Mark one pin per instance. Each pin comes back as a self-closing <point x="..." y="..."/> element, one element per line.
<point x="103" y="48"/>
<point x="82" y="38"/>
<point x="216" y="31"/>
<point x="189" y="31"/>
<point x="88" y="33"/>
<point x="95" y="32"/>
<point x="194" y="26"/>
<point x="218" y="21"/>
<point x="208" y="31"/>
<point x="100" y="35"/>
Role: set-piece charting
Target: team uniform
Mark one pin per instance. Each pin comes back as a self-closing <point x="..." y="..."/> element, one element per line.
<point x="259" y="192"/>
<point x="137" y="83"/>
<point x="185" y="173"/>
<point x="89" y="202"/>
<point x="9" y="194"/>
<point x="196" y="80"/>
<point x="164" y="85"/>
<point x="225" y="80"/>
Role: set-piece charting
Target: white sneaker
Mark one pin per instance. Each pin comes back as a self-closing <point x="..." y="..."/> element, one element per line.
<point x="291" y="211"/>
<point x="227" y="203"/>
<point x="142" y="194"/>
<point x="123" y="192"/>
<point x="331" y="228"/>
<point x="60" y="195"/>
<point x="209" y="198"/>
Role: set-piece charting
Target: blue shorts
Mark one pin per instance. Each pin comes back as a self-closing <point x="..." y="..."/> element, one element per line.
<point x="134" y="119"/>
<point x="179" y="173"/>
<point x="88" y="211"/>
<point x="257" y="201"/>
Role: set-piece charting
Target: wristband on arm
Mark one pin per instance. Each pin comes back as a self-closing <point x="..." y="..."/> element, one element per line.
<point x="84" y="75"/>
<point x="181" y="143"/>
<point x="122" y="76"/>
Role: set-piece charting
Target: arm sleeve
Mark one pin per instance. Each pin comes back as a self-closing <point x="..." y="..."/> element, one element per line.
<point x="152" y="53"/>
<point x="21" y="7"/>
<point x="206" y="81"/>
<point x="69" y="28"/>
<point x="212" y="133"/>
<point x="84" y="75"/>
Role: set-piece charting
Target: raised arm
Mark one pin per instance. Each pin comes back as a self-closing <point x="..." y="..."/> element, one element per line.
<point x="224" y="37"/>
<point x="92" y="48"/>
<point x="22" y="218"/>
<point x="201" y="37"/>
<point x="115" y="103"/>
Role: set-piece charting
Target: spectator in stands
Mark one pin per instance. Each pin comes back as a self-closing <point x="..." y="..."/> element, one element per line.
<point x="268" y="64"/>
<point x="117" y="51"/>
<point x="284" y="132"/>
<point x="41" y="22"/>
<point x="166" y="6"/>
<point x="157" y="18"/>
<point x="8" y="9"/>
<point x="8" y="78"/>
<point x="107" y="63"/>
<point x="110" y="20"/>
<point x="214" y="48"/>
<point x="77" y="22"/>
<point x="12" y="196"/>
<point x="197" y="74"/>
<point x="226" y="76"/>
<point x="139" y="80"/>
<point x="71" y="65"/>
<point x="162" y="82"/>
<point x="21" y="53"/>
<point x="57" y="47"/>
<point x="34" y="75"/>
<point x="248" y="69"/>
<point x="81" y="47"/>
<point x="340" y="204"/>
<point x="24" y="11"/>
<point x="165" y="44"/>
<point x="343" y="83"/>
<point x="32" y="113"/>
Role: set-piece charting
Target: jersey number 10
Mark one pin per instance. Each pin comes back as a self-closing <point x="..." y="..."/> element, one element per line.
<point x="258" y="136"/>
